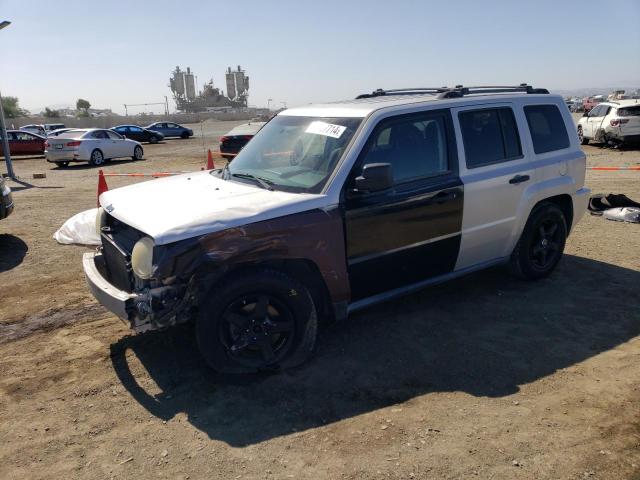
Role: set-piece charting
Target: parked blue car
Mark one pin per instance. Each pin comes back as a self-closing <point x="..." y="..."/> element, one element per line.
<point x="169" y="129"/>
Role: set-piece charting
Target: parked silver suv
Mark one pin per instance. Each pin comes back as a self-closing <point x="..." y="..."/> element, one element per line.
<point x="335" y="207"/>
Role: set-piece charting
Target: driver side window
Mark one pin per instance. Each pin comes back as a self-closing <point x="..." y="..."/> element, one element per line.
<point x="414" y="145"/>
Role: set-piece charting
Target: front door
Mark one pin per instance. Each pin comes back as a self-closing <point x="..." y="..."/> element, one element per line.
<point x="594" y="121"/>
<point x="410" y="232"/>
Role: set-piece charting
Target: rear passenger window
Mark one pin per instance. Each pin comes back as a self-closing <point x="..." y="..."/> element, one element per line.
<point x="547" y="128"/>
<point x="489" y="136"/>
<point x="415" y="146"/>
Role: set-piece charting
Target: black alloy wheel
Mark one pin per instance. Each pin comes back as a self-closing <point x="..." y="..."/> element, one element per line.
<point x="256" y="320"/>
<point x="257" y="330"/>
<point x="541" y="244"/>
<point x="545" y="248"/>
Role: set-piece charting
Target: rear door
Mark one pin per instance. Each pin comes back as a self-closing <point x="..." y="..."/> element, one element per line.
<point x="137" y="134"/>
<point x="173" y="130"/>
<point x="100" y="139"/>
<point x="410" y="232"/>
<point x="495" y="174"/>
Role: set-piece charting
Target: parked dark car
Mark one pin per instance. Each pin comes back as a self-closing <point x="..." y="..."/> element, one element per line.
<point x="170" y="129"/>
<point x="138" y="134"/>
<point x="233" y="141"/>
<point x="23" y="143"/>
<point x="6" y="202"/>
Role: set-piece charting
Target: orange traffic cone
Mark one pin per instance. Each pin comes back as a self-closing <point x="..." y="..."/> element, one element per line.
<point x="102" y="185"/>
<point x="210" y="164"/>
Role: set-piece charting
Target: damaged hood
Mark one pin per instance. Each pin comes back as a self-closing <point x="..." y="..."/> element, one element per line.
<point x="189" y="205"/>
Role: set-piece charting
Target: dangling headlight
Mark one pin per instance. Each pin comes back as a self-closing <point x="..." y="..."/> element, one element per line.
<point x="101" y="219"/>
<point x="142" y="258"/>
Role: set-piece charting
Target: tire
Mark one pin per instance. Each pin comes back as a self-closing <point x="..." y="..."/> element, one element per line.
<point x="97" y="158"/>
<point x="261" y="320"/>
<point x="541" y="244"/>
<point x="184" y="135"/>
<point x="583" y="140"/>
<point x="153" y="139"/>
<point x="62" y="164"/>
<point x="138" y="153"/>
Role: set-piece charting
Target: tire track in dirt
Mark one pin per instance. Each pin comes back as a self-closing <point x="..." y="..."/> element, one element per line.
<point x="48" y="320"/>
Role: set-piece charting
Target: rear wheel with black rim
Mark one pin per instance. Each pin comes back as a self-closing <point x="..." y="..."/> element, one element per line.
<point x="262" y="320"/>
<point x="542" y="243"/>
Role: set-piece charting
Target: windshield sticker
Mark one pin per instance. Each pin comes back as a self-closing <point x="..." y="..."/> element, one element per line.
<point x="326" y="129"/>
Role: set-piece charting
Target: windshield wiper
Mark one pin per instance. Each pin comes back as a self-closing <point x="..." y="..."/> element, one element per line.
<point x="263" y="182"/>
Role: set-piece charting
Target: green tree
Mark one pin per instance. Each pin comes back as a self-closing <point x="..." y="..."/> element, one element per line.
<point x="49" y="113"/>
<point x="83" y="107"/>
<point x="11" y="108"/>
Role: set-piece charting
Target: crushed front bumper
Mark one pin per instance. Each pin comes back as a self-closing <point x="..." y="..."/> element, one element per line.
<point x="117" y="301"/>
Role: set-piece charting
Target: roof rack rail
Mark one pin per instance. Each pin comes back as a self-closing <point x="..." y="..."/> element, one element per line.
<point x="457" y="91"/>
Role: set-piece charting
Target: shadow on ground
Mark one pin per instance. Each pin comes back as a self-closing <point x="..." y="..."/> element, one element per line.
<point x="12" y="252"/>
<point x="484" y="334"/>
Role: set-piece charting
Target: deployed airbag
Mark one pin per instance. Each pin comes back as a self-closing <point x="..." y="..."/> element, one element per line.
<point x="79" y="229"/>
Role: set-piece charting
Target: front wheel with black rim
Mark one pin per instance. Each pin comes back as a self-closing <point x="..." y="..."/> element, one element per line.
<point x="261" y="320"/>
<point x="96" y="158"/>
<point x="542" y="243"/>
<point x="137" y="153"/>
<point x="583" y="140"/>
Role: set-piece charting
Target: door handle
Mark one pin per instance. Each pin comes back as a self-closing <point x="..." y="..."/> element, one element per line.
<point x="443" y="197"/>
<point x="519" y="179"/>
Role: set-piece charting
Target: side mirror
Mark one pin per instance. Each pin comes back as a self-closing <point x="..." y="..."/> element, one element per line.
<point x="374" y="178"/>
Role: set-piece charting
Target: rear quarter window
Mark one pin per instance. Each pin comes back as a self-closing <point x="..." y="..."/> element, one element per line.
<point x="547" y="128"/>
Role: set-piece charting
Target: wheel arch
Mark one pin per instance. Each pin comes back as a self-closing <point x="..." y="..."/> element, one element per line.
<point x="304" y="270"/>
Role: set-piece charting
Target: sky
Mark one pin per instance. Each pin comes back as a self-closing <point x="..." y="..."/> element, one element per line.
<point x="302" y="51"/>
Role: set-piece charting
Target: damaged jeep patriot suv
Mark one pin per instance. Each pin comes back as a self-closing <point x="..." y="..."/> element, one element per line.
<point x="331" y="208"/>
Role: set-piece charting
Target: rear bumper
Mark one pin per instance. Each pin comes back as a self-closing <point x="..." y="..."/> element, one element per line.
<point x="113" y="299"/>
<point x="53" y="156"/>
<point x="627" y="138"/>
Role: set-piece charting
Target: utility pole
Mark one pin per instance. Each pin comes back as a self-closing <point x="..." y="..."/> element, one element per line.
<point x="166" y="106"/>
<point x="3" y="128"/>
<point x="126" y="112"/>
<point x="5" y="143"/>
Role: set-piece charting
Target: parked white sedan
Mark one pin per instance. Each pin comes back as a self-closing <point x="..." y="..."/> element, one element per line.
<point x="93" y="145"/>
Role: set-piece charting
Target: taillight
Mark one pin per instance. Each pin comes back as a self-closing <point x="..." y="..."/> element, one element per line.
<point x="247" y="137"/>
<point x="74" y="144"/>
<point x="618" y="121"/>
<point x="224" y="139"/>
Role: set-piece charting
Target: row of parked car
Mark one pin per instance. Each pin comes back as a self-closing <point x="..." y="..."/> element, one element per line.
<point x="62" y="145"/>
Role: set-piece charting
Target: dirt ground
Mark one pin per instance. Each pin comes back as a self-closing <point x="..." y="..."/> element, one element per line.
<point x="484" y="377"/>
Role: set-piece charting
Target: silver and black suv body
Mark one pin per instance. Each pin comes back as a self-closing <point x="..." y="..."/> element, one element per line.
<point x="331" y="208"/>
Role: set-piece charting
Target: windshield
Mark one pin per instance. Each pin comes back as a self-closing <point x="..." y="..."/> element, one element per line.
<point x="295" y="154"/>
